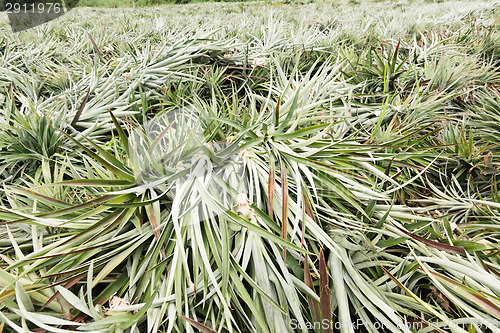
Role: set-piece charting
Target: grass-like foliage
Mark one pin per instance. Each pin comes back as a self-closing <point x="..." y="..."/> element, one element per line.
<point x="272" y="169"/>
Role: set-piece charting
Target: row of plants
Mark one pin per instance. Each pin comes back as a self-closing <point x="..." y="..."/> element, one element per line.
<point x="164" y="173"/>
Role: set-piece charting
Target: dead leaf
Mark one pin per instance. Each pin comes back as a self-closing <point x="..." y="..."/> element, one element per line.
<point x="116" y="302"/>
<point x="440" y="298"/>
